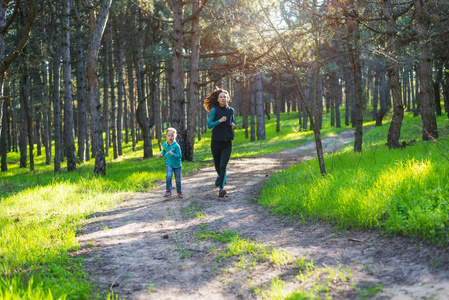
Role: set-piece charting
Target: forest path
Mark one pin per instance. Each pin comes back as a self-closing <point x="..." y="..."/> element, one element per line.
<point x="146" y="247"/>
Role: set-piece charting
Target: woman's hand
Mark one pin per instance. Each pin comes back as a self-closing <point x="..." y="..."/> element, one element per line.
<point x="223" y="119"/>
<point x="233" y="126"/>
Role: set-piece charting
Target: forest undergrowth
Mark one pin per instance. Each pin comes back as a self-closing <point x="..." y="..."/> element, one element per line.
<point x="42" y="211"/>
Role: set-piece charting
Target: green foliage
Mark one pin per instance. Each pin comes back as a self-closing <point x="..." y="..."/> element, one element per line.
<point x="402" y="191"/>
<point x="41" y="211"/>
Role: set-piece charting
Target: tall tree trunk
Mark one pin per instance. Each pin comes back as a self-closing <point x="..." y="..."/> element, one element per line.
<point x="245" y="104"/>
<point x="178" y="116"/>
<point x="120" y="86"/>
<point x="81" y="97"/>
<point x="27" y="112"/>
<point x="423" y="9"/>
<point x="68" y="106"/>
<point x="141" y="112"/>
<point x="57" y="110"/>
<point x="132" y="105"/>
<point x="3" y="132"/>
<point x="394" y="131"/>
<point x="436" y="89"/>
<point x="278" y="102"/>
<point x="354" y="57"/>
<point x="252" y="95"/>
<point x="97" y="28"/>
<point x="259" y="108"/>
<point x="107" y="135"/>
<point x="23" y="121"/>
<point x="193" y="93"/>
<point x="446" y="89"/>
<point x="113" y="109"/>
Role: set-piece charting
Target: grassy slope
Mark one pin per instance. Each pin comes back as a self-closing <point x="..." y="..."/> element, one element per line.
<point x="41" y="211"/>
<point x="403" y="191"/>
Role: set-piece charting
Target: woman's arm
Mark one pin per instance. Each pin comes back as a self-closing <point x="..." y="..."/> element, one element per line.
<point x="210" y="122"/>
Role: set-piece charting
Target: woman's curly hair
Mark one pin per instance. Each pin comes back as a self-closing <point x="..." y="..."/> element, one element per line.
<point x="211" y="101"/>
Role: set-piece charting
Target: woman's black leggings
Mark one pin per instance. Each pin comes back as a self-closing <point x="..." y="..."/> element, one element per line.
<point x="221" y="151"/>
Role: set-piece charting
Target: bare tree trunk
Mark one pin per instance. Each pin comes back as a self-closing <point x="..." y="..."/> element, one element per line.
<point x="3" y="132"/>
<point x="68" y="107"/>
<point x="105" y="66"/>
<point x="81" y="98"/>
<point x="252" y="95"/>
<point x="113" y="109"/>
<point x="259" y="109"/>
<point x="120" y="86"/>
<point x="278" y="102"/>
<point x="354" y="57"/>
<point x="27" y="111"/>
<point x="97" y="28"/>
<point x="446" y="90"/>
<point x="132" y="104"/>
<point x="436" y="89"/>
<point x="423" y="8"/>
<point x="178" y="116"/>
<point x="193" y="93"/>
<point x="394" y="131"/>
<point x="141" y="112"/>
<point x="23" y="122"/>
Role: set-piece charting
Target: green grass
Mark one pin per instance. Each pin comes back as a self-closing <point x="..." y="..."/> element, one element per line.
<point x="41" y="211"/>
<point x="402" y="191"/>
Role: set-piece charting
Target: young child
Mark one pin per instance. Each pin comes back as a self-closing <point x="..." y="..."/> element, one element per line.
<point x="173" y="157"/>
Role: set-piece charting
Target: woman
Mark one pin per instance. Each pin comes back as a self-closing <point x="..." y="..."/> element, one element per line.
<point x="222" y="122"/>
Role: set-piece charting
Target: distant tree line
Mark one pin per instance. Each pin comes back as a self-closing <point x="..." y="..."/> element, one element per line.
<point x="81" y="77"/>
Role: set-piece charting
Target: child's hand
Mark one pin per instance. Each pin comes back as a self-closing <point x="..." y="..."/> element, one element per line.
<point x="160" y="155"/>
<point x="171" y="153"/>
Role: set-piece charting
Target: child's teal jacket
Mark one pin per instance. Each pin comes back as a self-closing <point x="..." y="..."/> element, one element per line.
<point x="175" y="160"/>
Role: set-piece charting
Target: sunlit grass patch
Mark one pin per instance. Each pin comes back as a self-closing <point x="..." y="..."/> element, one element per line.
<point x="403" y="191"/>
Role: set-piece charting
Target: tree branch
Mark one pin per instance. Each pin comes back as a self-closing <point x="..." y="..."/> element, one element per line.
<point x="11" y="19"/>
<point x="26" y="34"/>
<point x="195" y="13"/>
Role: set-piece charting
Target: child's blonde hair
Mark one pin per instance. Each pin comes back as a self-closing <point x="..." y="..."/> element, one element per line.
<point x="175" y="133"/>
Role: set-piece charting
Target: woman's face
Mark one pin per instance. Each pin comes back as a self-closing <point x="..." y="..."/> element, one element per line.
<point x="222" y="99"/>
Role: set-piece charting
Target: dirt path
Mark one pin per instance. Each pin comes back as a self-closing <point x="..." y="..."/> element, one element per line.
<point x="147" y="247"/>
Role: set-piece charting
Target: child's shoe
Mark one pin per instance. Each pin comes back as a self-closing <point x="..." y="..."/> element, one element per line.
<point x="167" y="194"/>
<point x="221" y="193"/>
<point x="180" y="195"/>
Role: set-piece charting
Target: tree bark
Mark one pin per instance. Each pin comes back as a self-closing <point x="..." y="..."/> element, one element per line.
<point x="422" y="10"/>
<point x="113" y="109"/>
<point x="81" y="97"/>
<point x="120" y="86"/>
<point x="354" y="57"/>
<point x="141" y="112"/>
<point x="278" y="102"/>
<point x="252" y="95"/>
<point x="132" y="105"/>
<point x="68" y="106"/>
<point x="259" y="109"/>
<point x="178" y="115"/>
<point x="97" y="29"/>
<point x="106" y="129"/>
<point x="394" y="132"/>
<point x="193" y="93"/>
